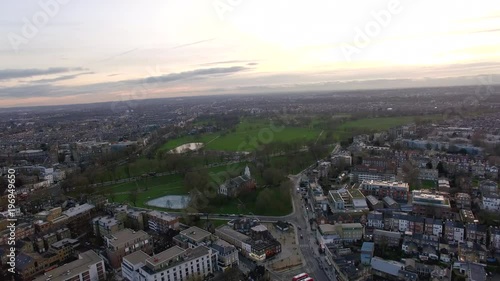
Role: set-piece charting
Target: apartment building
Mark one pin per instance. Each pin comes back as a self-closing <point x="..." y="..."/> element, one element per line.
<point x="398" y="191"/>
<point x="161" y="222"/>
<point x="125" y="242"/>
<point x="89" y="266"/>
<point x="178" y="264"/>
<point x="430" y="204"/>
<point x="104" y="226"/>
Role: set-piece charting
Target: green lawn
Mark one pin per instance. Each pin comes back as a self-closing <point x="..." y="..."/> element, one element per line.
<point x="154" y="187"/>
<point x="428" y="184"/>
<point x="366" y="125"/>
<point x="247" y="206"/>
<point x="246" y="136"/>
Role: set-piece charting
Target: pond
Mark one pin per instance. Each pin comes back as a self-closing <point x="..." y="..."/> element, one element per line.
<point x="176" y="202"/>
<point x="193" y="146"/>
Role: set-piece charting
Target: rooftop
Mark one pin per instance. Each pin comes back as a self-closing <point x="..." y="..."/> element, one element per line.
<point x="136" y="257"/>
<point x="173" y="256"/>
<point x="429" y="199"/>
<point x="368" y="247"/>
<point x="72" y="269"/>
<point x="161" y="215"/>
<point x="327" y="229"/>
<point x="165" y="256"/>
<point x="259" y="228"/>
<point x="387" y="266"/>
<point x="195" y="233"/>
<point x="125" y="236"/>
<point x="386" y="184"/>
<point x="71" y="212"/>
<point x="232" y="233"/>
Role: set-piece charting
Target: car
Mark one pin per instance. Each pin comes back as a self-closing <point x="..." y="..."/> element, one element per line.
<point x="300" y="228"/>
<point x="301" y="236"/>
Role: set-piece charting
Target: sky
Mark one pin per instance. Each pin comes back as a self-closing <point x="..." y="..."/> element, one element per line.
<point x="74" y="51"/>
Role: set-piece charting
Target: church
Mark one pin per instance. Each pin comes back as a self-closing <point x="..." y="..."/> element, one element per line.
<point x="234" y="186"/>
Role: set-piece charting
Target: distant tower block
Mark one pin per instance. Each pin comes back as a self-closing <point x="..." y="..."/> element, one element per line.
<point x="247" y="172"/>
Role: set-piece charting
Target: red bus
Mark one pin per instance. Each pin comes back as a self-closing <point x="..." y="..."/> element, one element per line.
<point x="300" y="277"/>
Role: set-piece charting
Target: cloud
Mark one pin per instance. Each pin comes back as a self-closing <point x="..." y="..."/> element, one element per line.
<point x="248" y="62"/>
<point x="190" y="74"/>
<point x="48" y="90"/>
<point x="193" y="43"/>
<point x="120" y="54"/>
<point x="60" y="78"/>
<point x="6" y="74"/>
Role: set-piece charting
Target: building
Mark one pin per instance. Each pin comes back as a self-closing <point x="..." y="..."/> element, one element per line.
<point x="362" y="173"/>
<point x="104" y="226"/>
<point x="89" y="266"/>
<point x="386" y="269"/>
<point x="347" y="200"/>
<point x="374" y="203"/>
<point x="347" y="232"/>
<point x="77" y="218"/>
<point x="495" y="238"/>
<point x="161" y="222"/>
<point x="375" y="220"/>
<point x="234" y="186"/>
<point x="444" y="185"/>
<point x="193" y="237"/>
<point x="367" y="251"/>
<point x="227" y="254"/>
<point x="490" y="201"/>
<point x="125" y="242"/>
<point x="263" y="243"/>
<point x="176" y="263"/>
<point x="430" y="204"/>
<point x="389" y="238"/>
<point x="390" y="203"/>
<point x="463" y="200"/>
<point x="131" y="265"/>
<point x="235" y="238"/>
<point x="398" y="191"/>
<point x="428" y="174"/>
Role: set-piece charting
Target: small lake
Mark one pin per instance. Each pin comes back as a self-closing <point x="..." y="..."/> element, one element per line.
<point x="176" y="202"/>
<point x="193" y="146"/>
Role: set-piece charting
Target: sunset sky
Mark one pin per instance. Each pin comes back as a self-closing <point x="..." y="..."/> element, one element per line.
<point x="94" y="50"/>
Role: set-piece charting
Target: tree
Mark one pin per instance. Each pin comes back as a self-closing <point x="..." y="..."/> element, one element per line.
<point x="133" y="196"/>
<point x="428" y="165"/>
<point x="273" y="176"/>
<point x="428" y="146"/>
<point x="112" y="195"/>
<point x="265" y="200"/>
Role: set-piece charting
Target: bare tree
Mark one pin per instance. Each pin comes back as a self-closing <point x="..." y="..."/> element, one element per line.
<point x="133" y="196"/>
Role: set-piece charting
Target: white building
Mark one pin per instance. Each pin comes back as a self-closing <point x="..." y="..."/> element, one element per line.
<point x="175" y="264"/>
<point x="131" y="265"/>
<point x="437" y="228"/>
<point x="491" y="201"/>
<point x="459" y="233"/>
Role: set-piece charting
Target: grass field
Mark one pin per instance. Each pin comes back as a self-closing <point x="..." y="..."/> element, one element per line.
<point x="348" y="129"/>
<point x="246" y="136"/>
<point x="428" y="184"/>
<point x="247" y="206"/>
<point x="156" y="186"/>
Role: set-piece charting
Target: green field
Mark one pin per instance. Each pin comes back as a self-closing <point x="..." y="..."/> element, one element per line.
<point x="247" y="136"/>
<point x="371" y="125"/>
<point x="154" y="187"/>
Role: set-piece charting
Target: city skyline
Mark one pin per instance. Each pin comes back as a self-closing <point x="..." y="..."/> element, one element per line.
<point x="83" y="52"/>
